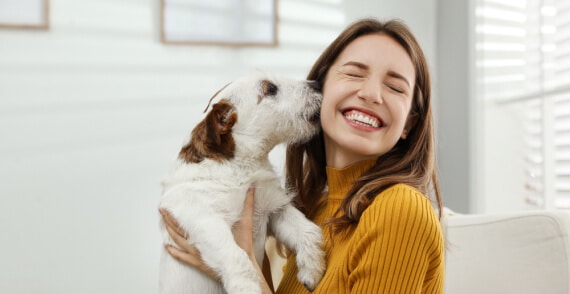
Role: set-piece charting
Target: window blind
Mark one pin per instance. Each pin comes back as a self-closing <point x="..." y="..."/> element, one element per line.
<point x="561" y="82"/>
<point x="523" y="59"/>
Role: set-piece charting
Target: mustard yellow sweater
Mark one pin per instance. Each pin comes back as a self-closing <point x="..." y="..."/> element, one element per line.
<point x="397" y="247"/>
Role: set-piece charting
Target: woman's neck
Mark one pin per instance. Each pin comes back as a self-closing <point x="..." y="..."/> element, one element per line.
<point x="340" y="180"/>
<point x="337" y="156"/>
<point x="337" y="159"/>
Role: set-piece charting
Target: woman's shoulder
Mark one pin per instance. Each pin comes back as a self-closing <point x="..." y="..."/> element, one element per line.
<point x="401" y="194"/>
<point x="401" y="204"/>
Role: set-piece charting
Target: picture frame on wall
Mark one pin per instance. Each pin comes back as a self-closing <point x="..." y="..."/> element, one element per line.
<point x="219" y="22"/>
<point x="24" y="14"/>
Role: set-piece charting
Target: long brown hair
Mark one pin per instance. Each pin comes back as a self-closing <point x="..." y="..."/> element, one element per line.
<point x="410" y="161"/>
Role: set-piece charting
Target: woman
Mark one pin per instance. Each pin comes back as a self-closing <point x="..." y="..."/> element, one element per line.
<point x="365" y="178"/>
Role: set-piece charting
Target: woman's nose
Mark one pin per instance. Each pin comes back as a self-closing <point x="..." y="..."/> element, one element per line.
<point x="371" y="91"/>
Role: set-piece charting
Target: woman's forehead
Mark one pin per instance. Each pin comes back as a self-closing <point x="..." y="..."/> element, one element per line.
<point x="378" y="51"/>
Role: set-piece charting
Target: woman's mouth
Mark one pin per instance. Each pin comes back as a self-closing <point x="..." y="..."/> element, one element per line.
<point x="363" y="119"/>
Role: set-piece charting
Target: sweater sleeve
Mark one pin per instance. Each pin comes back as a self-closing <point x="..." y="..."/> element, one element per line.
<point x="400" y="246"/>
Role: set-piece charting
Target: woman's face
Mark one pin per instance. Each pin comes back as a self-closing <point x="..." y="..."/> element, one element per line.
<point x="367" y="96"/>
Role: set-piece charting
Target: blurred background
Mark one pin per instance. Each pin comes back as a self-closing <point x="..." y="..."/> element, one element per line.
<point x="95" y="104"/>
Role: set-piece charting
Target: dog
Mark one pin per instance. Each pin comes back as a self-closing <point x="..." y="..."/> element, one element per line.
<point x="206" y="188"/>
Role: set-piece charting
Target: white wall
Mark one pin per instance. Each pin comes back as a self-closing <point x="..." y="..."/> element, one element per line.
<point x="455" y="108"/>
<point x="92" y="112"/>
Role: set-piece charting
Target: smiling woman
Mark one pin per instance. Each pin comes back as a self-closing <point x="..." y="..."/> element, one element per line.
<point x="367" y="177"/>
<point x="374" y="202"/>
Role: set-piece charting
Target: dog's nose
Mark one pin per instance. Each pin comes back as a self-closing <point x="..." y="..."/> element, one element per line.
<point x="315" y="85"/>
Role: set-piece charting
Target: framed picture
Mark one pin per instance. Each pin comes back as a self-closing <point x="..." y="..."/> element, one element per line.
<point x="219" y="22"/>
<point x="24" y="14"/>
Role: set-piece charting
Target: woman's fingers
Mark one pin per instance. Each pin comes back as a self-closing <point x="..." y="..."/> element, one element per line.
<point x="177" y="238"/>
<point x="177" y="235"/>
<point x="193" y="259"/>
<point x="169" y="221"/>
<point x="185" y="252"/>
<point x="188" y="254"/>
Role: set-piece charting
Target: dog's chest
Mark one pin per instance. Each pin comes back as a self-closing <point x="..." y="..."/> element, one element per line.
<point x="223" y="187"/>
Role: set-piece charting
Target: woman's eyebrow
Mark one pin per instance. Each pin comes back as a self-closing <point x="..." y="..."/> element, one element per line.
<point x="356" y="64"/>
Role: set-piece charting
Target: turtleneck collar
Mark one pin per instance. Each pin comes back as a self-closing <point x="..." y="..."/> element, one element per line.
<point x="340" y="180"/>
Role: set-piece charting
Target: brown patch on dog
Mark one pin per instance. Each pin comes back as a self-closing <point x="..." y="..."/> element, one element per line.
<point x="212" y="137"/>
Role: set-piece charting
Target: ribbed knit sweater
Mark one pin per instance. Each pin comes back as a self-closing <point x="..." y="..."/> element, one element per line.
<point x="397" y="246"/>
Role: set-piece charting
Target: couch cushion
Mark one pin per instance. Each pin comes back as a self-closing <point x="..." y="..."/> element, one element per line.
<point x="525" y="252"/>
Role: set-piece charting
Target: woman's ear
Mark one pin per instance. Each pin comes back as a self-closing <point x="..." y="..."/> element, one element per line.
<point x="410" y="123"/>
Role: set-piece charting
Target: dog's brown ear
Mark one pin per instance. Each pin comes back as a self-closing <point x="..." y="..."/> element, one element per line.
<point x="212" y="137"/>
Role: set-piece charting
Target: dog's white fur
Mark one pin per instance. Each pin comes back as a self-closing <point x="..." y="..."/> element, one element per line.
<point x="207" y="197"/>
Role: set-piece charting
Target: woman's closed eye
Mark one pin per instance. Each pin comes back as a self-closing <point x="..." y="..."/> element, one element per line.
<point x="354" y="69"/>
<point x="396" y="89"/>
<point x="354" y="74"/>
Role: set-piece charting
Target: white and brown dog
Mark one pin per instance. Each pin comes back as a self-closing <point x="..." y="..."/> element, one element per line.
<point x="205" y="190"/>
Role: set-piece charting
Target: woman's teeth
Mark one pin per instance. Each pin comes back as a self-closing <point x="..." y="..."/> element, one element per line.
<point x="362" y="119"/>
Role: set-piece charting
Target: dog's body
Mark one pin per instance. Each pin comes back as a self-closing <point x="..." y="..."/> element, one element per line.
<point x="206" y="188"/>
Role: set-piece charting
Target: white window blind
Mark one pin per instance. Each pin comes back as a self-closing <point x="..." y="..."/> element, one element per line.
<point x="523" y="63"/>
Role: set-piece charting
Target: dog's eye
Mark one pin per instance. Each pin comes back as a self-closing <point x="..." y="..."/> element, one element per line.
<point x="269" y="88"/>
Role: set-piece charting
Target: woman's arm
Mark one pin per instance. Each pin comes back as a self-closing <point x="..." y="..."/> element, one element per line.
<point x="243" y="234"/>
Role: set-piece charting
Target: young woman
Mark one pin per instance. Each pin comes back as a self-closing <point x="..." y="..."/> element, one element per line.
<point x="365" y="179"/>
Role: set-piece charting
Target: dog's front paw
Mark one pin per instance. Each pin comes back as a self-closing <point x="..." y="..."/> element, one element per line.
<point x="311" y="268"/>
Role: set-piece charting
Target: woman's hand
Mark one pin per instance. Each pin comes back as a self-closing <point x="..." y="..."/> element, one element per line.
<point x="186" y="253"/>
<point x="243" y="235"/>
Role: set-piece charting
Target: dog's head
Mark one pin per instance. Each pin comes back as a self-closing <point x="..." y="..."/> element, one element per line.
<point x="254" y="114"/>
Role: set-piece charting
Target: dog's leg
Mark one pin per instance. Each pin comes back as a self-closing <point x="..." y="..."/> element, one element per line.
<point x="213" y="237"/>
<point x="302" y="236"/>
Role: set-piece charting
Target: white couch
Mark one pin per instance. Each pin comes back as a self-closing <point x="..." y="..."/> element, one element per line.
<point x="523" y="252"/>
